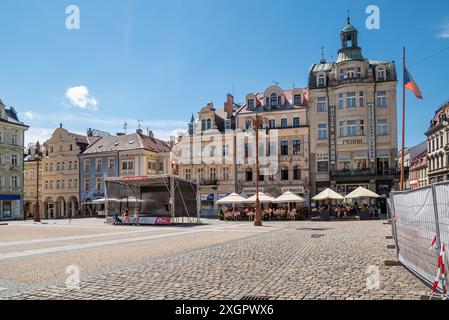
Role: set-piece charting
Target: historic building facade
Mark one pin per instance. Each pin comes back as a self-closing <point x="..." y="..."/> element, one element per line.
<point x="60" y="163"/>
<point x="120" y="156"/>
<point x="206" y="154"/>
<point x="438" y="145"/>
<point x="32" y="180"/>
<point x="12" y="132"/>
<point x="353" y="119"/>
<point x="418" y="166"/>
<point x="285" y="122"/>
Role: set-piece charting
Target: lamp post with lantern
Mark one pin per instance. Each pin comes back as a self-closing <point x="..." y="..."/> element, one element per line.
<point x="38" y="157"/>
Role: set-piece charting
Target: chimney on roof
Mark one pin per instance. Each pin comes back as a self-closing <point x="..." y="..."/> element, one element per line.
<point x="139" y="131"/>
<point x="151" y="134"/>
<point x="229" y="104"/>
<point x="172" y="142"/>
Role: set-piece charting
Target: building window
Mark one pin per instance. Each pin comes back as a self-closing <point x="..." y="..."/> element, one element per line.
<point x="58" y="166"/>
<point x="111" y="163"/>
<point x="362" y="127"/>
<point x="99" y="164"/>
<point x="361" y="99"/>
<point x="272" y="124"/>
<point x="188" y="174"/>
<point x="381" y="75"/>
<point x="284" y="148"/>
<point x="297" y="100"/>
<point x="213" y="173"/>
<point x="340" y="101"/>
<point x="14" y="138"/>
<point x="63" y="166"/>
<point x="98" y="183"/>
<point x="70" y="184"/>
<point x="58" y="184"/>
<point x="128" y="165"/>
<point x="382" y="99"/>
<point x="342" y="128"/>
<point x="296" y="147"/>
<point x="248" y="124"/>
<point x="75" y="166"/>
<point x="284" y="123"/>
<point x="209" y="124"/>
<point x="322" y="104"/>
<point x="86" y="184"/>
<point x="351" y="128"/>
<point x="225" y="149"/>
<point x="14" y="181"/>
<point x="296" y="173"/>
<point x="274" y="100"/>
<point x="359" y="72"/>
<point x="46" y="184"/>
<point x="62" y="184"/>
<point x="284" y="174"/>
<point x="86" y="165"/>
<point x="247" y="150"/>
<point x="200" y="173"/>
<point x="321" y="82"/>
<point x="322" y="131"/>
<point x="225" y="173"/>
<point x="351" y="100"/>
<point x="249" y="175"/>
<point x="342" y="74"/>
<point x="14" y="160"/>
<point x="203" y="125"/>
<point x="382" y="127"/>
<point x="350" y="74"/>
<point x="296" y="122"/>
<point x="251" y="104"/>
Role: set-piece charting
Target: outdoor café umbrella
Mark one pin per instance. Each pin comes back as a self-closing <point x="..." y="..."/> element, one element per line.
<point x="289" y="197"/>
<point x="361" y="192"/>
<point x="328" y="194"/>
<point x="263" y="198"/>
<point x="233" y="198"/>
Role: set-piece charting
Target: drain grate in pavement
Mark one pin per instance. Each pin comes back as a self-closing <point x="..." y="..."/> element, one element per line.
<point x="255" y="298"/>
<point x="317" y="236"/>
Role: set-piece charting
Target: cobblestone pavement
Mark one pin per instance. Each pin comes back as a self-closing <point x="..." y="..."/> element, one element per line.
<point x="299" y="260"/>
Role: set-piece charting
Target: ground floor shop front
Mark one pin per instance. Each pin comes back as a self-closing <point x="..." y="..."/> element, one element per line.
<point x="11" y="207"/>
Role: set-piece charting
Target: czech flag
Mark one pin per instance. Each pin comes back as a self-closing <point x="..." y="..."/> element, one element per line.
<point x="411" y="85"/>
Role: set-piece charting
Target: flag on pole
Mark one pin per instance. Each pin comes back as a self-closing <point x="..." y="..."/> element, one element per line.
<point x="411" y="85"/>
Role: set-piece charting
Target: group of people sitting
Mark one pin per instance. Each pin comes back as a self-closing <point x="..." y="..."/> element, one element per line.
<point x="126" y="217"/>
<point x="344" y="210"/>
<point x="267" y="214"/>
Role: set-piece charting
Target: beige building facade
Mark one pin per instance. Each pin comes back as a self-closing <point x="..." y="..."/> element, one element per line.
<point x="60" y="188"/>
<point x="285" y="122"/>
<point x="32" y="184"/>
<point x="353" y="118"/>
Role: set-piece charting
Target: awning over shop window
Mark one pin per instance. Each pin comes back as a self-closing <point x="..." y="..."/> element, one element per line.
<point x="9" y="197"/>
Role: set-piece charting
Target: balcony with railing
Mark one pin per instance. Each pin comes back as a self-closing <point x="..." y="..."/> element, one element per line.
<point x="208" y="182"/>
<point x="363" y="174"/>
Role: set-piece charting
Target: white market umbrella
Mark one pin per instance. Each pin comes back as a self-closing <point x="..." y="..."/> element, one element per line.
<point x="99" y="201"/>
<point x="233" y="198"/>
<point x="263" y="198"/>
<point x="328" y="194"/>
<point x="289" y="197"/>
<point x="361" y="192"/>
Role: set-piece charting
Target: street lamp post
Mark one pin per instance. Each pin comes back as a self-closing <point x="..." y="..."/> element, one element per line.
<point x="257" y="120"/>
<point x="38" y="155"/>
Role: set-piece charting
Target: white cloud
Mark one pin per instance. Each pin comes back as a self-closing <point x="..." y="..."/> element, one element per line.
<point x="444" y="31"/>
<point x="33" y="134"/>
<point x="79" y="97"/>
<point x="29" y="115"/>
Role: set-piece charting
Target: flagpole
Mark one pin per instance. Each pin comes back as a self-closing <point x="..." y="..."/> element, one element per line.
<point x="403" y="121"/>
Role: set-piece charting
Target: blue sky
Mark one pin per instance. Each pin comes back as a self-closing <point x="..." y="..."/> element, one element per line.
<point x="159" y="61"/>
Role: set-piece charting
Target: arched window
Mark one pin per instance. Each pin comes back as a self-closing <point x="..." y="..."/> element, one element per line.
<point x="209" y="124"/>
<point x="274" y="100"/>
<point x="203" y="125"/>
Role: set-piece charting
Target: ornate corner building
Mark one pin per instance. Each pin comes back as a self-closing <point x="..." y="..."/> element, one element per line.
<point x="353" y="119"/>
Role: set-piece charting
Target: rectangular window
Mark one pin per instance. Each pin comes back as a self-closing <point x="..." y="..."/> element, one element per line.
<point x="342" y="74"/>
<point x="14" y="181"/>
<point x="361" y="99"/>
<point x="14" y="160"/>
<point x="14" y="139"/>
<point x="382" y="127"/>
<point x="351" y="126"/>
<point x="322" y="166"/>
<point x="296" y="122"/>
<point x="251" y="104"/>
<point x="213" y="173"/>
<point x="188" y="174"/>
<point x="247" y="150"/>
<point x="86" y="184"/>
<point x="99" y="164"/>
<point x="382" y="99"/>
<point x="351" y="100"/>
<point x="362" y="127"/>
<point x="296" y="147"/>
<point x="62" y="184"/>
<point x="111" y="163"/>
<point x="297" y="99"/>
<point x="128" y="165"/>
<point x="342" y="128"/>
<point x="284" y="148"/>
<point x="225" y="173"/>
<point x="340" y="101"/>
<point x="98" y="183"/>
<point x="284" y="123"/>
<point x="322" y="131"/>
<point x="86" y="165"/>
<point x="272" y="124"/>
<point x="322" y="104"/>
<point x="225" y="149"/>
<point x="200" y="173"/>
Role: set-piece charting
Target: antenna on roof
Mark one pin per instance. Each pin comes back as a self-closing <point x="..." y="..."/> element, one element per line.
<point x="322" y="56"/>
<point x="125" y="126"/>
<point x="349" y="17"/>
<point x="139" y="124"/>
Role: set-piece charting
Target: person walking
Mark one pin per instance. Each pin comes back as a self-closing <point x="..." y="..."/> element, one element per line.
<point x="126" y="216"/>
<point x="136" y="217"/>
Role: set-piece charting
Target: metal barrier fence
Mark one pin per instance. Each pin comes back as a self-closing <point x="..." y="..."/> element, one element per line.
<point x="418" y="217"/>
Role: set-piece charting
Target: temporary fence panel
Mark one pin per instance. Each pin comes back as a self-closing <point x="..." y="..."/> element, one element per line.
<point x="442" y="200"/>
<point x="414" y="228"/>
